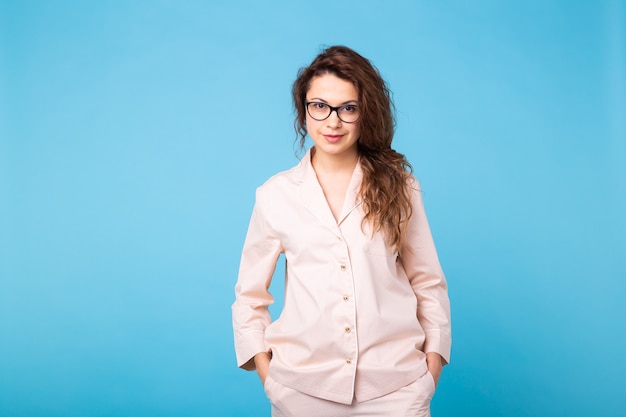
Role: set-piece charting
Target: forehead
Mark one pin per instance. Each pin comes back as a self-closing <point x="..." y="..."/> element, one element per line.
<point x="332" y="89"/>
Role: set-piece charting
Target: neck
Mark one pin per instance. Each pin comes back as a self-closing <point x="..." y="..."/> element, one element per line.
<point x="331" y="164"/>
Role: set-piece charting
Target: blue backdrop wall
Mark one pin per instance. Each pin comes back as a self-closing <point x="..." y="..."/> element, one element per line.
<point x="133" y="135"/>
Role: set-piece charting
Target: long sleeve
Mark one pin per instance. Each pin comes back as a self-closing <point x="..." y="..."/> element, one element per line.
<point x="250" y="310"/>
<point x="421" y="263"/>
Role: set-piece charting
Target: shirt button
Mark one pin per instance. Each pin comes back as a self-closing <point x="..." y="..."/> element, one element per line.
<point x="343" y="267"/>
<point x="347" y="329"/>
<point x="346" y="298"/>
<point x="348" y="361"/>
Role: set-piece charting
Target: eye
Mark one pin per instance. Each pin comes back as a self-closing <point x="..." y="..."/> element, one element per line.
<point x="319" y="106"/>
<point x="350" y="108"/>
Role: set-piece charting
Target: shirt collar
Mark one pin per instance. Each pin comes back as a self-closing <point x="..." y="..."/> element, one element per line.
<point x="313" y="196"/>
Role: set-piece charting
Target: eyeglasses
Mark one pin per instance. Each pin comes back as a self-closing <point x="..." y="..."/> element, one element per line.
<point x="348" y="113"/>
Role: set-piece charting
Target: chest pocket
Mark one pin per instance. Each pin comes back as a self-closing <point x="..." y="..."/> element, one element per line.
<point x="375" y="245"/>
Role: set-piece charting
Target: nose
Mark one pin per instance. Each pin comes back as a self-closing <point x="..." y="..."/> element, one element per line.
<point x="334" y="120"/>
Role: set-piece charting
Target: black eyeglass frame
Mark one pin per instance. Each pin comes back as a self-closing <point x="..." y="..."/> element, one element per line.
<point x="332" y="109"/>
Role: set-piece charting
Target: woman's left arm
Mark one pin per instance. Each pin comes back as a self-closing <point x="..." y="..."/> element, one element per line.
<point x="421" y="263"/>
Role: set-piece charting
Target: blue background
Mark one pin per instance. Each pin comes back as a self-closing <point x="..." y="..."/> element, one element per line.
<point x="134" y="133"/>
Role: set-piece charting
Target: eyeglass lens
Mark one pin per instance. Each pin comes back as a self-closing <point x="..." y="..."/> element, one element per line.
<point x="321" y="111"/>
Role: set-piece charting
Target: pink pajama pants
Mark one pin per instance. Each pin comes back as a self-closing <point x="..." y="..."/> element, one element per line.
<point x="412" y="400"/>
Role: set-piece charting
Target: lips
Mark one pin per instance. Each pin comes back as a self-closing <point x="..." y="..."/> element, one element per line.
<point x="333" y="138"/>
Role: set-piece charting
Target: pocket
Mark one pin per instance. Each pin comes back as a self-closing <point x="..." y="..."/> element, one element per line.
<point x="378" y="247"/>
<point x="266" y="384"/>
<point x="375" y="244"/>
<point x="271" y="387"/>
<point x="431" y="378"/>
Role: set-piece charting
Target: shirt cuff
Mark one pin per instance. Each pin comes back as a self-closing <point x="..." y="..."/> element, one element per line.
<point x="248" y="345"/>
<point x="438" y="342"/>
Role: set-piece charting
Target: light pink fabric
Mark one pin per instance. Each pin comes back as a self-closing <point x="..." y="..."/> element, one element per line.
<point x="357" y="318"/>
<point x="412" y="400"/>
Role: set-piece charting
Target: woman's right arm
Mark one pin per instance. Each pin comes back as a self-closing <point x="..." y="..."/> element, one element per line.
<point x="249" y="311"/>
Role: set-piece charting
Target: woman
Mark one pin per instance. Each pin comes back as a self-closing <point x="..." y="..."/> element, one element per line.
<point x="365" y="327"/>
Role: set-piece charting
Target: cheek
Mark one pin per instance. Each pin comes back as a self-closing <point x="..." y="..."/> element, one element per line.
<point x="310" y="124"/>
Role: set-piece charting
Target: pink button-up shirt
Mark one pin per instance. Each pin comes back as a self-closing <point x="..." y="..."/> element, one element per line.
<point x="358" y="317"/>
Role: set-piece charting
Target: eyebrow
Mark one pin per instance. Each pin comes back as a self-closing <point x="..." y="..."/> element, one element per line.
<point x="324" y="101"/>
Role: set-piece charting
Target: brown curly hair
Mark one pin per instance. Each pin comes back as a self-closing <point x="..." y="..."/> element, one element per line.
<point x="385" y="189"/>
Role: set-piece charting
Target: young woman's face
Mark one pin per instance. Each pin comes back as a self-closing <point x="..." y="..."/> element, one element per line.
<point x="333" y="136"/>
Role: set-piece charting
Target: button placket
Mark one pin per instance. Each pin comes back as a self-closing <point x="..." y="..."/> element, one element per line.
<point x="350" y="335"/>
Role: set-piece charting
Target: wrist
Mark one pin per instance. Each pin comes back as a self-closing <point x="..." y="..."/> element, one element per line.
<point x="434" y="358"/>
<point x="262" y="359"/>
